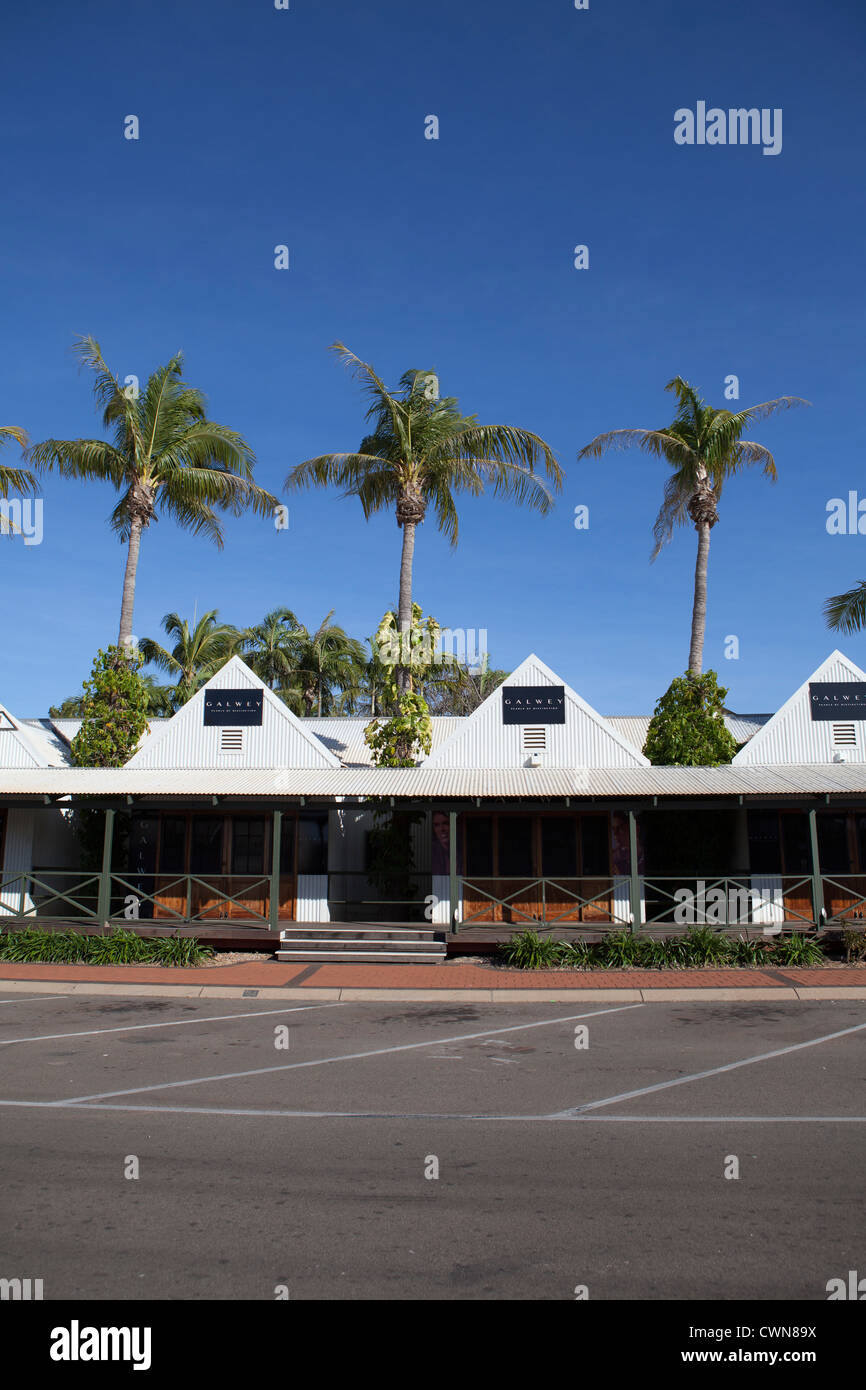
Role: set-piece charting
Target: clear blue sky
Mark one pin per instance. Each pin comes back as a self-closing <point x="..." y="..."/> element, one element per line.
<point x="306" y="127"/>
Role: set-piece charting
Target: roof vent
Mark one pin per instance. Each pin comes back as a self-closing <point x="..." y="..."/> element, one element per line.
<point x="231" y="740"/>
<point x="844" y="736"/>
<point x="534" y="738"/>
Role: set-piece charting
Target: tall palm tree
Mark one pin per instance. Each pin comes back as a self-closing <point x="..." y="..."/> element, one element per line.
<point x="196" y="654"/>
<point x="419" y="453"/>
<point x="165" y="454"/>
<point x="326" y="661"/>
<point x="704" y="446"/>
<point x="269" y="648"/>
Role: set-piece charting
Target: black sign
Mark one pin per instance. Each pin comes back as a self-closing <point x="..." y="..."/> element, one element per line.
<point x="837" y="699"/>
<point x="533" y="704"/>
<point x="233" y="707"/>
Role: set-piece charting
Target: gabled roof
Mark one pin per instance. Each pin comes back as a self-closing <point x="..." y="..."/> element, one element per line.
<point x="791" y="735"/>
<point x="184" y="742"/>
<point x="586" y="739"/>
<point x="28" y="743"/>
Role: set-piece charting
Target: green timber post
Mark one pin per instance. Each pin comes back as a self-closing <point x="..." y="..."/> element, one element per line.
<point x="276" y="851"/>
<point x="452" y="870"/>
<point x="817" y="890"/>
<point x="634" y="878"/>
<point x="103" y="902"/>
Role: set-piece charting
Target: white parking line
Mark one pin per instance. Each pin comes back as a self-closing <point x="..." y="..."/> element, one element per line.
<point x="702" y="1075"/>
<point x="391" y="1115"/>
<point x="346" y="1057"/>
<point x="176" y="1023"/>
<point x="34" y="998"/>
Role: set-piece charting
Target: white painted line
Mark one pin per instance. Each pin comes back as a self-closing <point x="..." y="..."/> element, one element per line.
<point x="177" y="1023"/>
<point x="713" y="1071"/>
<point x="346" y="1057"/>
<point x="390" y="1116"/>
<point x="34" y="998"/>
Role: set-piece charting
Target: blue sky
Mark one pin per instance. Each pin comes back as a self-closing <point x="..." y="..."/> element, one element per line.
<point x="305" y="127"/>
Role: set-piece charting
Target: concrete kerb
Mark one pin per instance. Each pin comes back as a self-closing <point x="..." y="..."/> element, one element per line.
<point x="547" y="994"/>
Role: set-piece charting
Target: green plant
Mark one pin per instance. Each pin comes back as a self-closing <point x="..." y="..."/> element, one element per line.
<point x="579" y="955"/>
<point x="119" y="947"/>
<point x="796" y="950"/>
<point x="854" y="942"/>
<point x="701" y="946"/>
<point x="748" y="951"/>
<point x="688" y="727"/>
<point x="621" y="948"/>
<point x="526" y="950"/>
<point x="114" y="710"/>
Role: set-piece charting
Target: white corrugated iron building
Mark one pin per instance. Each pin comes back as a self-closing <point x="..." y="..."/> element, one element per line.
<point x="534" y="810"/>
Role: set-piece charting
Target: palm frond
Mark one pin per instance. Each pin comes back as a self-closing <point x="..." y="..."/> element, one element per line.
<point x="847" y="612"/>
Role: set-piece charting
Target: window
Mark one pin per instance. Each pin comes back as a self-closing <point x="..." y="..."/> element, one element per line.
<point x="206" y="845"/>
<point x="558" y="847"/>
<point x="312" y="844"/>
<point x="172" y="845"/>
<point x="515" y="846"/>
<point x="479" y="846"/>
<point x="248" y="845"/>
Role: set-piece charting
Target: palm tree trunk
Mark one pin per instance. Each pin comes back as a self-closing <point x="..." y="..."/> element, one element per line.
<point x="699" y="605"/>
<point x="404" y="604"/>
<point x="125" y="634"/>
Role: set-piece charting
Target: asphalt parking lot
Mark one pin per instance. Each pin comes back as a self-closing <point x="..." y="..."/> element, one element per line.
<point x="303" y="1163"/>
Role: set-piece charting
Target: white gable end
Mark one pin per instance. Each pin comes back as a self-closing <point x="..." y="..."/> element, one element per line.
<point x="16" y="749"/>
<point x="185" y="741"/>
<point x="584" y="740"/>
<point x="793" y="736"/>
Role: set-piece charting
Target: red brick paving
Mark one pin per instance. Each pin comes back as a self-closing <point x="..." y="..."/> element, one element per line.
<point x="261" y="974"/>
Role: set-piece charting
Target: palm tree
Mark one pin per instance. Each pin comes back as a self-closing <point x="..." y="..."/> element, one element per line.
<point x="419" y="453"/>
<point x="269" y="647"/>
<point x="704" y="446"/>
<point x="847" y="612"/>
<point x="327" y="661"/>
<point x="164" y="453"/>
<point x="196" y="654"/>
<point x="17" y="479"/>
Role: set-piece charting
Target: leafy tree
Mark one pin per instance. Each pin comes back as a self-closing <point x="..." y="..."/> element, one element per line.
<point x="159" y="702"/>
<point x="270" y="648"/>
<point x="688" y="727"/>
<point x="196" y="654"/>
<point x="459" y="691"/>
<point x="704" y="447"/>
<point x="164" y="454"/>
<point x="325" y="661"/>
<point x="114" y="711"/>
<point x="402" y="655"/>
<point x="419" y="453"/>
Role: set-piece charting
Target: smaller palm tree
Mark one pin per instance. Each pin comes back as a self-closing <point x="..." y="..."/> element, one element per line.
<point x="326" y="661"/>
<point x="14" y="479"/>
<point x="196" y="654"/>
<point x="269" y="648"/>
<point x="847" y="612"/>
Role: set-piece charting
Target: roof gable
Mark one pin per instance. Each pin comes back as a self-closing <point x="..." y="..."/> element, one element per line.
<point x="185" y="741"/>
<point x="18" y="746"/>
<point x="791" y="735"/>
<point x="586" y="739"/>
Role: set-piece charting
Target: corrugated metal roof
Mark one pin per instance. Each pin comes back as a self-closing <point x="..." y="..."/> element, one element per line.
<point x="344" y="737"/>
<point x="801" y="779"/>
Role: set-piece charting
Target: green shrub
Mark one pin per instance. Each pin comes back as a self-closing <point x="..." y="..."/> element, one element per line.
<point x="745" y="951"/>
<point x="854" y="943"/>
<point x="119" y="947"/>
<point x="528" y="951"/>
<point x="621" y="948"/>
<point x="796" y="950"/>
<point x="700" y="946"/>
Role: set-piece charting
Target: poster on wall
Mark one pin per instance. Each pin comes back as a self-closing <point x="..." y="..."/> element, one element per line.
<point x="533" y="704"/>
<point x="837" y="700"/>
<point x="234" y="707"/>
